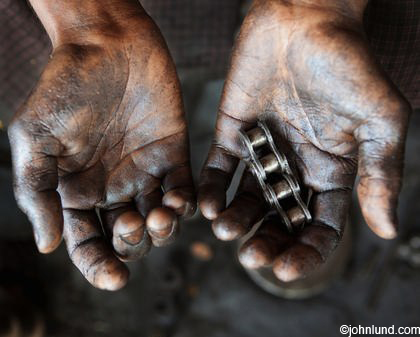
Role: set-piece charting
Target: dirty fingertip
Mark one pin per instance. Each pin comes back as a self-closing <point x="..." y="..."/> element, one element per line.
<point x="255" y="253"/>
<point x="181" y="201"/>
<point x="296" y="263"/>
<point x="110" y="275"/>
<point x="161" y="223"/>
<point x="129" y="228"/>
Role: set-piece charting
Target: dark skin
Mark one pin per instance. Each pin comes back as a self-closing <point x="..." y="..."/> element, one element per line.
<point x="105" y="130"/>
<point x="306" y="69"/>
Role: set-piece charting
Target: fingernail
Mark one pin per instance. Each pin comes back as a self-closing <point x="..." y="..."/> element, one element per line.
<point x="161" y="222"/>
<point x="164" y="232"/>
<point x="129" y="228"/>
<point x="133" y="238"/>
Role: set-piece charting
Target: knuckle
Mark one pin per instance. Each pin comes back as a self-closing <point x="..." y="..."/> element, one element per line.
<point x="39" y="179"/>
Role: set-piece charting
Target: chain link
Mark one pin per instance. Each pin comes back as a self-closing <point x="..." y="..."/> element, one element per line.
<point x="265" y="161"/>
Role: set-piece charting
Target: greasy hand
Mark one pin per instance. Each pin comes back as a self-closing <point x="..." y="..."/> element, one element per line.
<point x="308" y="72"/>
<point x="105" y="130"/>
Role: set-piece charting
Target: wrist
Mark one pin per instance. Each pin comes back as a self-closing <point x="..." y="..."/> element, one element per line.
<point x="90" y="21"/>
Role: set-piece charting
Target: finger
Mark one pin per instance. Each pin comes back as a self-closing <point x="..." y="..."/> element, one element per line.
<point x="318" y="240"/>
<point x="381" y="158"/>
<point x="131" y="193"/>
<point x="161" y="222"/>
<point x="179" y="191"/>
<point x="245" y="210"/>
<point x="296" y="262"/>
<point x="296" y="256"/>
<point x="220" y="167"/>
<point x="162" y="225"/>
<point x="240" y="104"/>
<point x="127" y="229"/>
<point x="265" y="245"/>
<point x="215" y="180"/>
<point x="292" y="258"/>
<point x="145" y="203"/>
<point x="90" y="252"/>
<point x="36" y="181"/>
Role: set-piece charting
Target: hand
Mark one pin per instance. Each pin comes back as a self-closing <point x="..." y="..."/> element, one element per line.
<point x="306" y="70"/>
<point x="104" y="130"/>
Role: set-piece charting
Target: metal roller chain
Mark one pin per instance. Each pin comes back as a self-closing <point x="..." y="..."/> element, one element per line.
<point x="264" y="165"/>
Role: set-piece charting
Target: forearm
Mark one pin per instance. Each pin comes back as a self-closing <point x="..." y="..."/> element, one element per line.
<point x="86" y="20"/>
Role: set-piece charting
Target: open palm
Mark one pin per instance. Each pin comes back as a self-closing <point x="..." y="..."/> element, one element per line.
<point x="309" y="74"/>
<point x="104" y="130"/>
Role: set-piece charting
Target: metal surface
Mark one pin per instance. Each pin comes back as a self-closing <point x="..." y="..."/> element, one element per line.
<point x="266" y="163"/>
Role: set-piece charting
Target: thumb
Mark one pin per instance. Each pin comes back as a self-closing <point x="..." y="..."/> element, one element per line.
<point x="34" y="157"/>
<point x="381" y="160"/>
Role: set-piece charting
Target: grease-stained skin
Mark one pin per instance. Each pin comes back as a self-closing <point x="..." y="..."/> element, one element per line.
<point x="105" y="130"/>
<point x="306" y="69"/>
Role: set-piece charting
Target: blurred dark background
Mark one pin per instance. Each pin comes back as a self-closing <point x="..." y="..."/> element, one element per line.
<point x="196" y="286"/>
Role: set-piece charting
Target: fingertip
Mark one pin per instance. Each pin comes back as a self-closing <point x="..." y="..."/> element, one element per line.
<point x="211" y="202"/>
<point x="226" y="230"/>
<point x="323" y="238"/>
<point x="90" y="252"/>
<point x="46" y="216"/>
<point x="379" y="207"/>
<point x="384" y="228"/>
<point x="110" y="275"/>
<point x="389" y="234"/>
<point x="296" y="263"/>
<point x="381" y="222"/>
<point x="160" y="221"/>
<point x="99" y="265"/>
<point x="48" y="247"/>
<point x="210" y="209"/>
<point x="255" y="254"/>
<point x="49" y="240"/>
<point x="130" y="239"/>
<point x="181" y="201"/>
<point x="129" y="227"/>
<point x="162" y="225"/>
